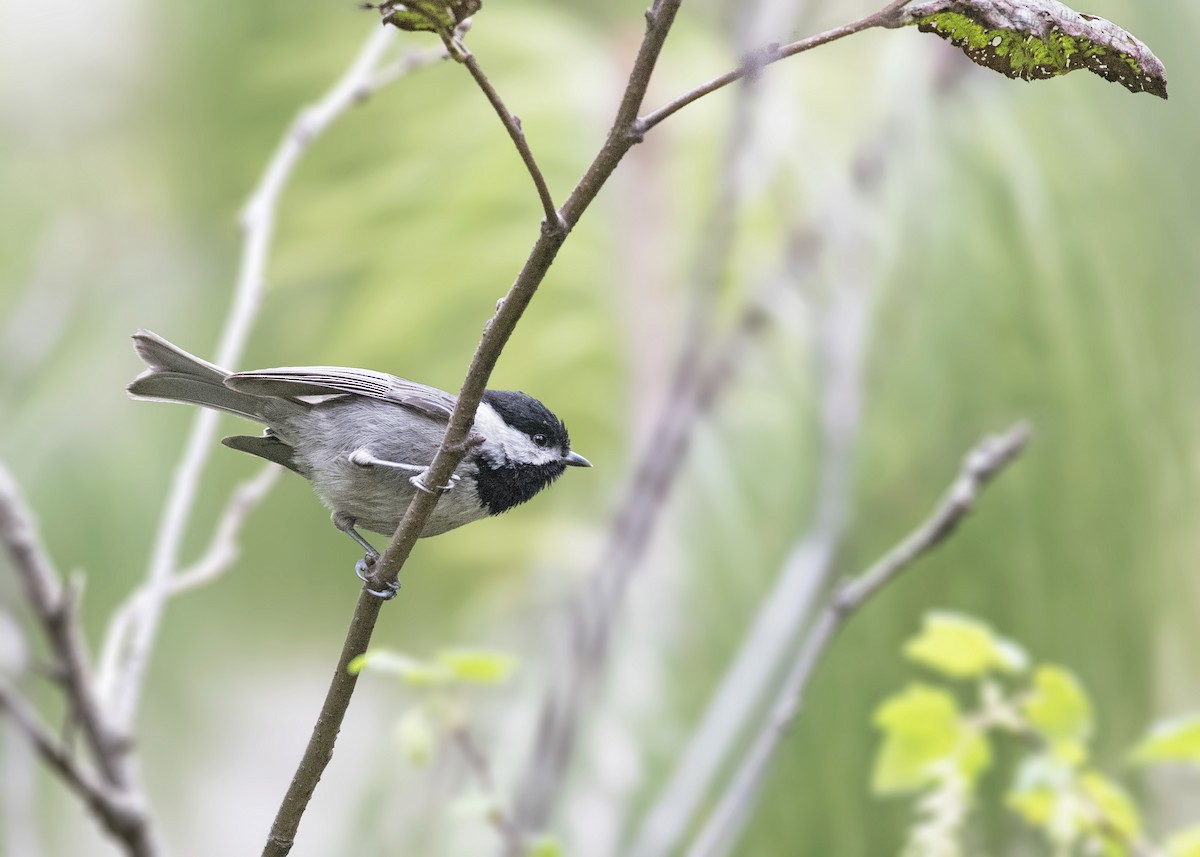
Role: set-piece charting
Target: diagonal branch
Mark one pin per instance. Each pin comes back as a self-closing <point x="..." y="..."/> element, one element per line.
<point x="981" y="465"/>
<point x="122" y="807"/>
<point x="512" y="124"/>
<point x="457" y="441"/>
<point x="107" y="802"/>
<point x="54" y="610"/>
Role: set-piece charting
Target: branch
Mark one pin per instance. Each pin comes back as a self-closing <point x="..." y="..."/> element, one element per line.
<point x="130" y="638"/>
<point x="223" y="549"/>
<point x="477" y="763"/>
<point x="54" y="610"/>
<point x="885" y="17"/>
<point x="988" y="459"/>
<point x="458" y="49"/>
<point x="110" y="805"/>
<point x="122" y="807"/>
<point x="456" y="441"/>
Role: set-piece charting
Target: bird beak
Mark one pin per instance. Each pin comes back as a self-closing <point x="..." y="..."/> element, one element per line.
<point x="576" y="460"/>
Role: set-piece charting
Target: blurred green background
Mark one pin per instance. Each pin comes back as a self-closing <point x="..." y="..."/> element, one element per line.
<point x="1032" y="252"/>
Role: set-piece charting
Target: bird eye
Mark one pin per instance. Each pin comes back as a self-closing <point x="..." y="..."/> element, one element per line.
<point x="540" y="439"/>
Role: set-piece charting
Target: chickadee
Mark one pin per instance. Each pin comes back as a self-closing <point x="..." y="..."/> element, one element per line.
<point x="364" y="439"/>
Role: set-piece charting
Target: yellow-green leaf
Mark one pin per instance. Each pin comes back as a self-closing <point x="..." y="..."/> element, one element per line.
<point x="1042" y="795"/>
<point x="921" y="727"/>
<point x="1173" y="741"/>
<point x="417" y="737"/>
<point x="1114" y="804"/>
<point x="412" y="671"/>
<point x="1059" y="709"/>
<point x="477" y="666"/>
<point x="1184" y="843"/>
<point x="961" y="646"/>
<point x="545" y="846"/>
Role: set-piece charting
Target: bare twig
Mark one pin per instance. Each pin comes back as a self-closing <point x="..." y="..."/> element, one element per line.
<point x="981" y="465"/>
<point x="105" y="801"/>
<point x="512" y="124"/>
<point x="115" y="795"/>
<point x="55" y="612"/>
<point x="885" y="17"/>
<point x="456" y="441"/>
<point x="477" y="763"/>
<point x="223" y="549"/>
<point x="131" y="635"/>
<point x="840" y="343"/>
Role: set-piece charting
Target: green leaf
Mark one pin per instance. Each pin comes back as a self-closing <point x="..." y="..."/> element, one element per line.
<point x="1114" y="804"/>
<point x="410" y="670"/>
<point x="1059" y="709"/>
<point x="1184" y="843"/>
<point x="477" y="666"/>
<point x="961" y="646"/>
<point x="417" y="737"/>
<point x="548" y="846"/>
<point x="433" y="16"/>
<point x="1040" y="795"/>
<point x="1174" y="741"/>
<point x="922" y="727"/>
<point x="1038" y="39"/>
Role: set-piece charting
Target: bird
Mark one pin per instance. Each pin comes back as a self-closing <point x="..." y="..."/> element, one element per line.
<point x="364" y="439"/>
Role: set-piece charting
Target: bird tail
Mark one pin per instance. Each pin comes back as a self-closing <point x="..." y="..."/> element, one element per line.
<point x="176" y="376"/>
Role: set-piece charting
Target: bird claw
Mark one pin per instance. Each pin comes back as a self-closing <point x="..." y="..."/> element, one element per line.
<point x="418" y="482"/>
<point x="363" y="569"/>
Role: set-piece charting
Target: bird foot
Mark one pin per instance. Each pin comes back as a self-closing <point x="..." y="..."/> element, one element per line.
<point x="363" y="569"/>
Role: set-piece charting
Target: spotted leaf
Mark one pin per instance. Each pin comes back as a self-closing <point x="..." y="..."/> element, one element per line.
<point x="1038" y="39"/>
<point x="436" y="16"/>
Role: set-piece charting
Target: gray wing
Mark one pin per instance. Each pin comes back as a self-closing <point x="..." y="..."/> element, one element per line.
<point x="298" y="381"/>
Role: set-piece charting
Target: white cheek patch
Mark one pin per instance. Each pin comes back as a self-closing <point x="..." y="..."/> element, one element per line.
<point x="507" y="445"/>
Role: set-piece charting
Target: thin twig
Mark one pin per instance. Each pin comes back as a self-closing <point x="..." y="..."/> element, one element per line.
<point x="981" y="465"/>
<point x="113" y="810"/>
<point x="885" y="17"/>
<point x="513" y="125"/>
<point x="223" y="549"/>
<point x="54" y="607"/>
<point x="54" y="610"/>
<point x="456" y="441"/>
<point x="479" y="766"/>
<point x="840" y="344"/>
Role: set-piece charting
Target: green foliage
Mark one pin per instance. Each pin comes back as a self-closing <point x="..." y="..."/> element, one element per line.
<point x="477" y="666"/>
<point x="933" y="747"/>
<point x="417" y="735"/>
<point x="449" y="667"/>
<point x="1175" y="741"/>
<point x="1059" y="711"/>
<point x="431" y="16"/>
<point x="545" y="846"/>
<point x="1038" y="39"/>
<point x="923" y="731"/>
<point x="1185" y="843"/>
<point x="960" y="646"/>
